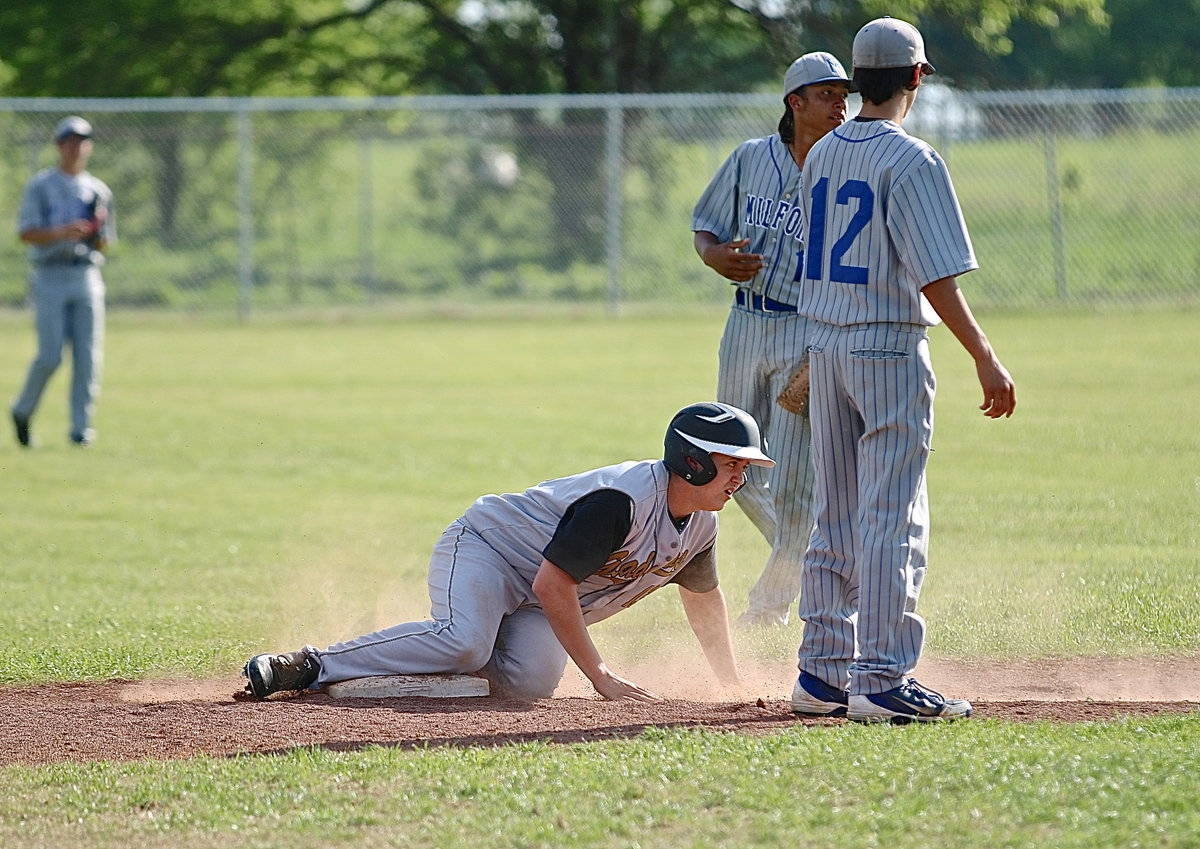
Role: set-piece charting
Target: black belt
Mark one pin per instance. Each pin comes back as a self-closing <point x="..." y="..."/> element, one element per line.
<point x="746" y="298"/>
<point x="66" y="262"/>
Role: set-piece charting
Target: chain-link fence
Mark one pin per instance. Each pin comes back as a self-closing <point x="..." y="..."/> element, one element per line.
<point x="256" y="204"/>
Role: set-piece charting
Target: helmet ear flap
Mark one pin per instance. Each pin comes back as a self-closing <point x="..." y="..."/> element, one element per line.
<point x="692" y="464"/>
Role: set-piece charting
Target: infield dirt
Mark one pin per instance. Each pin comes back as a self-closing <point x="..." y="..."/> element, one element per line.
<point x="128" y="720"/>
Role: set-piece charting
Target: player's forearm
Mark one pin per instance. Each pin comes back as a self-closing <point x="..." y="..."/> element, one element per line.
<point x="999" y="392"/>
<point x="572" y="634"/>
<point x="45" y="235"/>
<point x="560" y="600"/>
<point x="701" y="240"/>
<point x="74" y="230"/>
<point x="709" y="619"/>
<point x="948" y="302"/>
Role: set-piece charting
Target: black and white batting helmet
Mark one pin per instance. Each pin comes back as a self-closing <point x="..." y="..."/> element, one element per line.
<point x="701" y="430"/>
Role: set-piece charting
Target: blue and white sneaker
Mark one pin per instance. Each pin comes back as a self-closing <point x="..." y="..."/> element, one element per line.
<point x="910" y="702"/>
<point x="813" y="697"/>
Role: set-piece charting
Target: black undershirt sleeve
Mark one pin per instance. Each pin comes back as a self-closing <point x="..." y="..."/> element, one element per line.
<point x="700" y="573"/>
<point x="591" y="529"/>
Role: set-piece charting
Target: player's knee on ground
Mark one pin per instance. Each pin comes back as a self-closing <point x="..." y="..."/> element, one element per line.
<point x="523" y="680"/>
<point x="465" y="659"/>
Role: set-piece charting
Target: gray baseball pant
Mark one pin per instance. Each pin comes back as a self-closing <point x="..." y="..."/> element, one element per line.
<point x="481" y="620"/>
<point x="69" y="307"/>
<point x="758" y="352"/>
<point x="872" y="412"/>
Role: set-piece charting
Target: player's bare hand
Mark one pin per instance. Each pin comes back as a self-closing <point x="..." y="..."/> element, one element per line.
<point x="727" y="259"/>
<point x="999" y="391"/>
<point x="617" y="689"/>
<point x="80" y="228"/>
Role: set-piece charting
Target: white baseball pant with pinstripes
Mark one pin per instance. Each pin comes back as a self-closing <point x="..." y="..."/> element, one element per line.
<point x="871" y="404"/>
<point x="758" y="352"/>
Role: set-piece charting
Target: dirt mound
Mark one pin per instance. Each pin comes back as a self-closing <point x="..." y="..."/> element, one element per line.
<point x="128" y="720"/>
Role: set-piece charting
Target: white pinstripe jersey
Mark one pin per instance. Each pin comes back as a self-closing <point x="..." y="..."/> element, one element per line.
<point x="519" y="526"/>
<point x="755" y="195"/>
<point x="883" y="222"/>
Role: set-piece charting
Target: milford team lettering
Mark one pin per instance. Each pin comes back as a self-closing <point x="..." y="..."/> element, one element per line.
<point x="621" y="569"/>
<point x="771" y="213"/>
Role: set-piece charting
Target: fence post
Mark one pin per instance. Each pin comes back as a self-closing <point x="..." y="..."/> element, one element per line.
<point x="613" y="202"/>
<point x="1056" y="217"/>
<point x="366" y="223"/>
<point x="245" y="214"/>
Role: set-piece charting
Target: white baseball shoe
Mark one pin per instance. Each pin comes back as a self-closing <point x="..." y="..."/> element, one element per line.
<point x="910" y="702"/>
<point x="813" y="697"/>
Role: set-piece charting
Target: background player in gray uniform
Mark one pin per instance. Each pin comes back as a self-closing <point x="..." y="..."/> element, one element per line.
<point x="66" y="217"/>
<point x="885" y="241"/>
<point x="516" y="580"/>
<point x="748" y="229"/>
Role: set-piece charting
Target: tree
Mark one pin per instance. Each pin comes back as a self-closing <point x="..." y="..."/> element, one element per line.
<point x="1146" y="43"/>
<point x="154" y="48"/>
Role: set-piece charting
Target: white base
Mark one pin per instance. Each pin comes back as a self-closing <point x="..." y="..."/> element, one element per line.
<point x="393" y="686"/>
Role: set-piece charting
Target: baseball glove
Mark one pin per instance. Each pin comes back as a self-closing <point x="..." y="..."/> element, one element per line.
<point x="794" y="397"/>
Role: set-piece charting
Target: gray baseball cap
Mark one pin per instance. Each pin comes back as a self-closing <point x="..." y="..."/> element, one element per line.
<point x="889" y="43"/>
<point x="819" y="67"/>
<point x="72" y="125"/>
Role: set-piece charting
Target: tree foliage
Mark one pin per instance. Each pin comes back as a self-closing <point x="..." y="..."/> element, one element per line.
<point x="1146" y="43"/>
<point x="154" y="48"/>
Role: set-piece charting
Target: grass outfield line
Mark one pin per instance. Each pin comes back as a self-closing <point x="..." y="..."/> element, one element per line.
<point x="264" y="485"/>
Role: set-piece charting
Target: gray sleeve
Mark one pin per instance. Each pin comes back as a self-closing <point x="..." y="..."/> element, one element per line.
<point x="715" y="211"/>
<point x="700" y="573"/>
<point x="31" y="214"/>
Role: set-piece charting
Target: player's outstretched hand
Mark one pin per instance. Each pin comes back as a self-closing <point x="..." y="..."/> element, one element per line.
<point x="727" y="259"/>
<point x="617" y="689"/>
<point x="999" y="391"/>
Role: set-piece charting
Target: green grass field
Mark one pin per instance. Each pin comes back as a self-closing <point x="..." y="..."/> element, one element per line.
<point x="263" y="485"/>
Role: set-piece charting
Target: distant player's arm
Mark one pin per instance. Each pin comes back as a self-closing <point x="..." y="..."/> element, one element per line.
<point x="726" y="258"/>
<point x="75" y="230"/>
<point x="32" y="227"/>
<point x="999" y="392"/>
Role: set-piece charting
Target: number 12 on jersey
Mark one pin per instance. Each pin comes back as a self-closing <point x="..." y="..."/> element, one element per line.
<point x="851" y="190"/>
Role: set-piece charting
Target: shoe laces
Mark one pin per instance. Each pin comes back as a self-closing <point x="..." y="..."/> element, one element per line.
<point x="917" y="688"/>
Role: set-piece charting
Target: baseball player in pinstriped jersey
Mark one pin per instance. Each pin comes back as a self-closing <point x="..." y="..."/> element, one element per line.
<point x="748" y="228"/>
<point x="885" y="241"/>
<point x="517" y="579"/>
